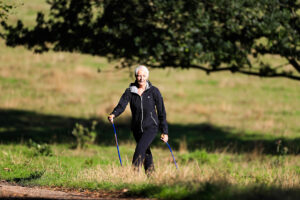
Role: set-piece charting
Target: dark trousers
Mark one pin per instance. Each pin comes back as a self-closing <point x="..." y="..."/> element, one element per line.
<point x="142" y="154"/>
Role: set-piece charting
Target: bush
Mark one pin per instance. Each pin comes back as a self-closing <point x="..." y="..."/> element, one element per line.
<point x="84" y="135"/>
<point x="40" y="149"/>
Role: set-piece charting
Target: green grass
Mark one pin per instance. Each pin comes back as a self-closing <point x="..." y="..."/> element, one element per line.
<point x="233" y="136"/>
<point x="200" y="175"/>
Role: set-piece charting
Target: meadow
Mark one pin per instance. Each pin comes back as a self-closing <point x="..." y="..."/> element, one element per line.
<point x="233" y="136"/>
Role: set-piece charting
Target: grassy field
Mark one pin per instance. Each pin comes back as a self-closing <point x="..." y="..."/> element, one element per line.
<point x="233" y="136"/>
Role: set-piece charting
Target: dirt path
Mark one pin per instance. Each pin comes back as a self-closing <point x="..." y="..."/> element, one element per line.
<point x="13" y="191"/>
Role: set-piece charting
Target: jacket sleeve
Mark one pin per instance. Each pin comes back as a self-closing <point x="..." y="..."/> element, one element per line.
<point x="125" y="98"/>
<point x="161" y="112"/>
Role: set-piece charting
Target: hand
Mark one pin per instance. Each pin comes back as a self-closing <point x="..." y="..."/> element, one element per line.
<point x="164" y="137"/>
<point x="111" y="118"/>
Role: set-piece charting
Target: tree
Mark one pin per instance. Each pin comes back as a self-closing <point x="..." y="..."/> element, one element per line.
<point x="4" y="10"/>
<point x="210" y="35"/>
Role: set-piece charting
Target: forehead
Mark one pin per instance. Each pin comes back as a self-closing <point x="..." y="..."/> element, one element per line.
<point x="142" y="71"/>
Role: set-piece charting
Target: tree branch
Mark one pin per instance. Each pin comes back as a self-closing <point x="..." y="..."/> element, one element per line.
<point x="238" y="70"/>
<point x="284" y="75"/>
<point x="233" y="70"/>
<point x="294" y="63"/>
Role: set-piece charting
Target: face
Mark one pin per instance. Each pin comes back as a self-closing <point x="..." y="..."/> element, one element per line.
<point x="141" y="77"/>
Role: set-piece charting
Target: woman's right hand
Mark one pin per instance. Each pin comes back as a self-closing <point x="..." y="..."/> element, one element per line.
<point x="111" y="118"/>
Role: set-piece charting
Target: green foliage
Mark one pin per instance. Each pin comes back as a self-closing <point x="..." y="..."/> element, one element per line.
<point x="4" y="10"/>
<point x="214" y="35"/>
<point x="84" y="135"/>
<point x="40" y="149"/>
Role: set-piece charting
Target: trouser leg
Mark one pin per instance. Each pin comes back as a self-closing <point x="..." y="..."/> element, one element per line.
<point x="148" y="163"/>
<point x="142" y="154"/>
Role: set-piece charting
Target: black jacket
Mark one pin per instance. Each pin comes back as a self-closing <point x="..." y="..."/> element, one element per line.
<point x="148" y="111"/>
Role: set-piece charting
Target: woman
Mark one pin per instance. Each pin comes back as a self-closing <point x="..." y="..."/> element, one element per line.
<point x="148" y="116"/>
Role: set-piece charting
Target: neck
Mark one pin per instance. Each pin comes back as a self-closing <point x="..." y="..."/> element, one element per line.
<point x="142" y="86"/>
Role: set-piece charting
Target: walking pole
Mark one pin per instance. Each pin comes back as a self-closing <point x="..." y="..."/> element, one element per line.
<point x="172" y="155"/>
<point x="117" y="143"/>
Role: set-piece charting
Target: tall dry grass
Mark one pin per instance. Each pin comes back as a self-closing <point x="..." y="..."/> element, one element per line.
<point x="245" y="173"/>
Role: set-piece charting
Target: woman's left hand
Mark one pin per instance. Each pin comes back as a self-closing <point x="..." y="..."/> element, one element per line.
<point x="164" y="137"/>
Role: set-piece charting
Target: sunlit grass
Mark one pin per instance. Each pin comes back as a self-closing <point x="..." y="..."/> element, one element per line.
<point x="99" y="168"/>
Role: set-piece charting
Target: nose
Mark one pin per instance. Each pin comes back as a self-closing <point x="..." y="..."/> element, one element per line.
<point x="141" y="78"/>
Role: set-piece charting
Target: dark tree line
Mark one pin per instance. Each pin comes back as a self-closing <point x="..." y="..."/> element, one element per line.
<point x="210" y="35"/>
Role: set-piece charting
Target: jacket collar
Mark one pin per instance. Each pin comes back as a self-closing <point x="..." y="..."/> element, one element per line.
<point x="134" y="86"/>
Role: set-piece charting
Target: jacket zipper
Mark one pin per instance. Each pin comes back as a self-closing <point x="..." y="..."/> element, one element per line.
<point x="142" y="114"/>
<point x="153" y="118"/>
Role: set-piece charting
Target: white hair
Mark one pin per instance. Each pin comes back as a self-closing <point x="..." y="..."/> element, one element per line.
<point x="142" y="67"/>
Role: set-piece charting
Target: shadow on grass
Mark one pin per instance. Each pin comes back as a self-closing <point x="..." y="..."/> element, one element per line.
<point x="32" y="176"/>
<point x="18" y="126"/>
<point x="216" y="191"/>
